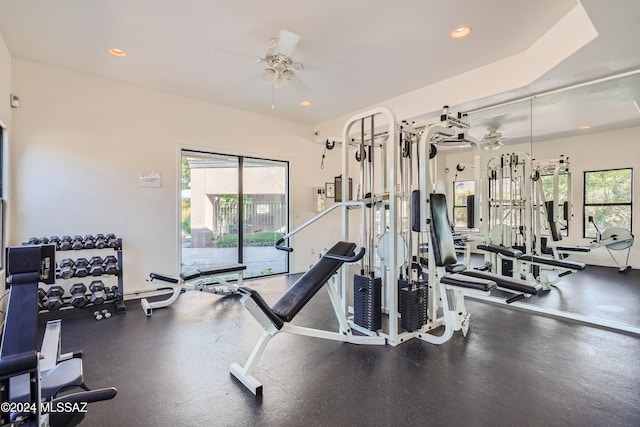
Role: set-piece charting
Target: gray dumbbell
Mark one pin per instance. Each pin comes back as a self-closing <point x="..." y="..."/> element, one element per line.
<point x="97" y="315"/>
<point x="78" y="295"/>
<point x="82" y="267"/>
<point x="98" y="295"/>
<point x="111" y="265"/>
<point x="54" y="298"/>
<point x="67" y="268"/>
<point x="95" y="266"/>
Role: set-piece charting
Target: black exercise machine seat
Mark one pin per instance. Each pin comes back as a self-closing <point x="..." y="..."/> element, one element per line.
<point x="445" y="255"/>
<point x="444" y="249"/>
<point x="536" y="259"/>
<point x="502" y="250"/>
<point x="301" y="292"/>
<point x="577" y="249"/>
<point x="569" y="265"/>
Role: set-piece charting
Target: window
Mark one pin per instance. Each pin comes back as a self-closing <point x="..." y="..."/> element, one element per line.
<point x="607" y="198"/>
<point x="563" y="197"/>
<point x="234" y="209"/>
<point x="461" y="190"/>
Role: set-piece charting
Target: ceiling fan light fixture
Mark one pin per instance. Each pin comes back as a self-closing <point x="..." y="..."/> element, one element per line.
<point x="269" y="75"/>
<point x="287" y="75"/>
<point x="460" y="32"/>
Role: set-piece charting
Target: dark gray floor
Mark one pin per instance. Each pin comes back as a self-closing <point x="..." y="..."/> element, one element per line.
<point x="513" y="368"/>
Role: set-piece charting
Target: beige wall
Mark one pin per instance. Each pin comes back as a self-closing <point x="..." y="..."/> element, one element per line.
<point x="80" y="143"/>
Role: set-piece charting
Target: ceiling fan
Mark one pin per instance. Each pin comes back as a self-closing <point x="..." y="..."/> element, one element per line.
<point x="281" y="67"/>
<point x="492" y="139"/>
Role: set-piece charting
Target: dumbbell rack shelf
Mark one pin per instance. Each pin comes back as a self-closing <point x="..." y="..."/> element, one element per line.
<point x="89" y="253"/>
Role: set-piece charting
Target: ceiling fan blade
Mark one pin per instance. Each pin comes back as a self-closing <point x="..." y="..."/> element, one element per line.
<point x="239" y="55"/>
<point x="298" y="85"/>
<point x="287" y="42"/>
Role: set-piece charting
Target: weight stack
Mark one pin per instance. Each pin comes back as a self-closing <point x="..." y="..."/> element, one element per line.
<point x="412" y="304"/>
<point x="367" y="302"/>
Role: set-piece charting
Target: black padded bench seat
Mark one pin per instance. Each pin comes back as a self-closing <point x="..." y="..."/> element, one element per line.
<point x="299" y="294"/>
<point x="464" y="281"/>
<point x="502" y="250"/>
<point x="577" y="249"/>
<point x="506" y="282"/>
<point x="212" y="271"/>
<point x="569" y="265"/>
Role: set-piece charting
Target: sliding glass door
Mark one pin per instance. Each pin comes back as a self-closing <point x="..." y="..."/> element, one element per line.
<point x="234" y="209"/>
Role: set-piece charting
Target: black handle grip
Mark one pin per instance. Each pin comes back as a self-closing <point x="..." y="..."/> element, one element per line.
<point x="515" y="298"/>
<point x="282" y="248"/>
<point x="356" y="257"/>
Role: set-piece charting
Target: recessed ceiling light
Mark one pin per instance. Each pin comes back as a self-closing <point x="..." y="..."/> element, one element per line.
<point x="585" y="127"/>
<point x="117" y="52"/>
<point x="460" y="32"/>
<point x="305" y="103"/>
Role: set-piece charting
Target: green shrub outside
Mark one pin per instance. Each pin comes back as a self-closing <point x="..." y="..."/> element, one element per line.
<point x="262" y="238"/>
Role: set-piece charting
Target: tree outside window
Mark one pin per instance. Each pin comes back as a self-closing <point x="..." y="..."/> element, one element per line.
<point x="607" y="198"/>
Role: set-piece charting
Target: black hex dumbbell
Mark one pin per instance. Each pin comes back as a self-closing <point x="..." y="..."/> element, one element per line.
<point x="88" y="242"/>
<point x="95" y="266"/>
<point x="112" y="241"/>
<point x="78" y="297"/>
<point x="67" y="268"/>
<point x="54" y="298"/>
<point x="100" y="241"/>
<point x="82" y="267"/>
<point x="55" y="240"/>
<point x="42" y="297"/>
<point x="43" y="241"/>
<point x="98" y="295"/>
<point x="111" y="265"/>
<point x="33" y="241"/>
<point x="65" y="243"/>
<point x="76" y="243"/>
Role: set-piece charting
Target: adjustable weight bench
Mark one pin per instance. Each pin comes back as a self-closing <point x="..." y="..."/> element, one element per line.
<point x="211" y="280"/>
<point x="275" y="319"/>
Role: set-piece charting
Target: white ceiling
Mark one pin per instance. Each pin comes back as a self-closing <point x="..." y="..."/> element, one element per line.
<point x="356" y="53"/>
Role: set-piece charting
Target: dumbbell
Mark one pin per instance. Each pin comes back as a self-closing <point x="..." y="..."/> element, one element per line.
<point x="112" y="241"/>
<point x="98" y="296"/>
<point x="78" y="297"/>
<point x="100" y="241"/>
<point x="67" y="268"/>
<point x="104" y="314"/>
<point x="43" y="241"/>
<point x="95" y="266"/>
<point x="65" y="243"/>
<point x="55" y="240"/>
<point x="54" y="298"/>
<point x="88" y="242"/>
<point x="33" y="241"/>
<point x="82" y="267"/>
<point x="42" y="297"/>
<point x="76" y="243"/>
<point x="111" y="265"/>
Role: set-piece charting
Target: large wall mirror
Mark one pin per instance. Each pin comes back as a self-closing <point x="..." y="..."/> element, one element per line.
<point x="584" y="145"/>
